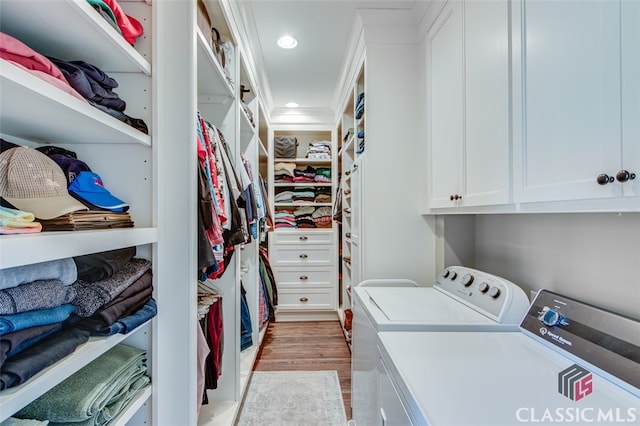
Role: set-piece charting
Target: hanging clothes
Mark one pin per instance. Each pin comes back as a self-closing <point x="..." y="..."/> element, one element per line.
<point x="268" y="279"/>
<point x="246" y="329"/>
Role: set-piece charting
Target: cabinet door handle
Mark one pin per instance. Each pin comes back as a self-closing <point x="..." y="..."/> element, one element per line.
<point x="304" y="238"/>
<point x="355" y="167"/>
<point x="455" y="197"/>
<point x="348" y="235"/>
<point x="304" y="299"/>
<point x="304" y="277"/>
<point x="604" y="179"/>
<point x="303" y="256"/>
<point x="623" y="176"/>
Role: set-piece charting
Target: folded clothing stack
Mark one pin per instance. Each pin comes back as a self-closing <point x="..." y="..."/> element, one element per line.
<point x="95" y="394"/>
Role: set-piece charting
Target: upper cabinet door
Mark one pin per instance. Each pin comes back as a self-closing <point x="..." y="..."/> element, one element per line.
<point x="487" y="103"/>
<point x="446" y="105"/>
<point x="630" y="14"/>
<point x="567" y="100"/>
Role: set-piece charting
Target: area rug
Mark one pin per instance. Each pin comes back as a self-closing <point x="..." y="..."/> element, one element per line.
<point x="293" y="398"/>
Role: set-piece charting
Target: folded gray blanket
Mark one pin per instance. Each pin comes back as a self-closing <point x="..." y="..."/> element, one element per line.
<point x="62" y="269"/>
<point x="96" y="393"/>
<point x="35" y="295"/>
<point x="91" y="296"/>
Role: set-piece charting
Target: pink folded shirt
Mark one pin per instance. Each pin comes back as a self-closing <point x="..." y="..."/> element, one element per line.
<point x="22" y="56"/>
<point x="14" y="50"/>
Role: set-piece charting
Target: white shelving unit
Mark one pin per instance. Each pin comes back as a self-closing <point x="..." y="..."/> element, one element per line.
<point x="33" y="112"/>
<point x="219" y="103"/>
<point x="304" y="260"/>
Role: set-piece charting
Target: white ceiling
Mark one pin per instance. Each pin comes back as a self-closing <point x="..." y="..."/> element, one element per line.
<point x="309" y="74"/>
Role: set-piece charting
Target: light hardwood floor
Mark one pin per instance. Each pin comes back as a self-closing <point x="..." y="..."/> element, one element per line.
<point x="307" y="346"/>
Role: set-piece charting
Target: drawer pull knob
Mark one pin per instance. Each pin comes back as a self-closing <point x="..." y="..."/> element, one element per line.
<point x="348" y="235"/>
<point x="303" y="256"/>
<point x="304" y="277"/>
<point x="304" y="299"/>
<point x="624" y="176"/>
<point x="604" y="179"/>
<point x="303" y="238"/>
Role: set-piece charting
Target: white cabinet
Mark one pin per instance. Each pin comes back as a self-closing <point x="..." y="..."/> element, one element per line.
<point x="468" y="87"/>
<point x="447" y="106"/>
<point x="304" y="266"/>
<point x="575" y="100"/>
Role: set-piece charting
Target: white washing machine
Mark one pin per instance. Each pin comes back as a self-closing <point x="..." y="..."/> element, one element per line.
<point x="571" y="363"/>
<point x="461" y="299"/>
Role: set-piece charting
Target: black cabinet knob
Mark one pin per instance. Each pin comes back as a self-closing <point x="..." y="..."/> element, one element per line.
<point x="623" y="176"/>
<point x="604" y="179"/>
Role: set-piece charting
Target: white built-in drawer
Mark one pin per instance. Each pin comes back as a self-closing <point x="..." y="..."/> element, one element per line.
<point x="302" y="237"/>
<point x="306" y="299"/>
<point x="304" y="276"/>
<point x="318" y="255"/>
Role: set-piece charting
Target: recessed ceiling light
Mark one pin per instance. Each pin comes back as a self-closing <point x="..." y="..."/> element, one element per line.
<point x="291" y="105"/>
<point x="287" y="42"/>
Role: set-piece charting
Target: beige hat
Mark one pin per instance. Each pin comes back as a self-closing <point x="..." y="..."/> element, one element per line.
<point x="33" y="182"/>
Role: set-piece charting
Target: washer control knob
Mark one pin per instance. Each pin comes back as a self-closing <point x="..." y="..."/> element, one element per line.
<point x="446" y="273"/>
<point x="484" y="287"/>
<point x="494" y="292"/>
<point x="467" y="280"/>
<point x="453" y="275"/>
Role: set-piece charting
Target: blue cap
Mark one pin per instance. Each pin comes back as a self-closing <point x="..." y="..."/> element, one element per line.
<point x="88" y="187"/>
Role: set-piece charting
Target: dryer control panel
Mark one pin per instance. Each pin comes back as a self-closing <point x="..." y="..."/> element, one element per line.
<point x="496" y="297"/>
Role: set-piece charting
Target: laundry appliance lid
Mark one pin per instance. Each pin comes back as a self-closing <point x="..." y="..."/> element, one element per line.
<point x="482" y="378"/>
<point x="421" y="308"/>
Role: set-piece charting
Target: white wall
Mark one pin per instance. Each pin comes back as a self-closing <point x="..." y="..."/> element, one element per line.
<point x="594" y="257"/>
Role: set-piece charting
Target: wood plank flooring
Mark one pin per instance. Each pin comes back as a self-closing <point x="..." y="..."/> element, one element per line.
<point x="307" y="346"/>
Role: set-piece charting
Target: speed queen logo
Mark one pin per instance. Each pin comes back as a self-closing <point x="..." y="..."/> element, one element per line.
<point x="575" y="382"/>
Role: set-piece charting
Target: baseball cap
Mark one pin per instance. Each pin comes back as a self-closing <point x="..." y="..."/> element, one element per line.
<point x="70" y="166"/>
<point x="33" y="182"/>
<point x="88" y="186"/>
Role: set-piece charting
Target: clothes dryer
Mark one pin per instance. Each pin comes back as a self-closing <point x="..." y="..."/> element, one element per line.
<point x="461" y="299"/>
<point x="570" y="363"/>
